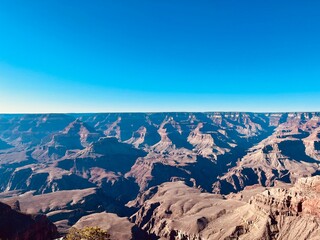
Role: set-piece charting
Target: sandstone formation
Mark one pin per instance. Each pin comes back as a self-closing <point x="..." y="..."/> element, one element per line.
<point x="176" y="211"/>
<point x="70" y="166"/>
<point x="118" y="228"/>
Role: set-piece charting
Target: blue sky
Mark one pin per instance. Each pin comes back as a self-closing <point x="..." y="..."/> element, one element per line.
<point x="183" y="55"/>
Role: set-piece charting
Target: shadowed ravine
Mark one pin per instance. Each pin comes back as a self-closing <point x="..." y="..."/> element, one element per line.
<point x="113" y="163"/>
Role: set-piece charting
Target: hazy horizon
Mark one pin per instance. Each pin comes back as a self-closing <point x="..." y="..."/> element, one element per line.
<point x="119" y="56"/>
<point x="155" y="112"/>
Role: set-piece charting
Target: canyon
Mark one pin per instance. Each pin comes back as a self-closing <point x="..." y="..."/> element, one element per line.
<point x="215" y="175"/>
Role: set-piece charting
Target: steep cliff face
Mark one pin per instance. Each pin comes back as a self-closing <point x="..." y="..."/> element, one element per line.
<point x="287" y="155"/>
<point x="176" y="211"/>
<point x="293" y="212"/>
<point x="240" y="148"/>
<point x="56" y="152"/>
<point x="19" y="226"/>
<point x="120" y="156"/>
<point x="65" y="208"/>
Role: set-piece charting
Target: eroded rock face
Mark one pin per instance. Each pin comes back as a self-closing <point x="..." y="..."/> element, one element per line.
<point x="293" y="212"/>
<point x="176" y="211"/>
<point x="19" y="226"/>
<point x="299" y="200"/>
<point x="118" y="228"/>
<point x="287" y="155"/>
<point x="147" y="149"/>
<point x="65" y="208"/>
<point x="124" y="155"/>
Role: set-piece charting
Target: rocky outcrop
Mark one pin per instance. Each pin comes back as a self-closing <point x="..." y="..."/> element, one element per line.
<point x="122" y="155"/>
<point x="118" y="227"/>
<point x="293" y="212"/>
<point x="19" y="226"/>
<point x="299" y="200"/>
<point x="176" y="211"/>
<point x="287" y="155"/>
<point x="65" y="208"/>
<point x="240" y="148"/>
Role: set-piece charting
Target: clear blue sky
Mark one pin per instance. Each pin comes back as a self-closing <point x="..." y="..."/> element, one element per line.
<point x="161" y="55"/>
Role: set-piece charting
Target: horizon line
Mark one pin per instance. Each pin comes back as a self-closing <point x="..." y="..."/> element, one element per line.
<point x="147" y="112"/>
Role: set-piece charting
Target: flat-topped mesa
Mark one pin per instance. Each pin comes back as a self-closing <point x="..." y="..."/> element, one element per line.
<point x="301" y="199"/>
<point x="240" y="148"/>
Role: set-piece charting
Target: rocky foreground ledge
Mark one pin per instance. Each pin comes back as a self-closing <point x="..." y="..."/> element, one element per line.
<point x="15" y="225"/>
<point x="176" y="211"/>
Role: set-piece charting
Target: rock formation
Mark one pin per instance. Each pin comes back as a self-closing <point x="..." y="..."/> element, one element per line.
<point x="70" y="166"/>
<point x="176" y="211"/>
<point x="16" y="225"/>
